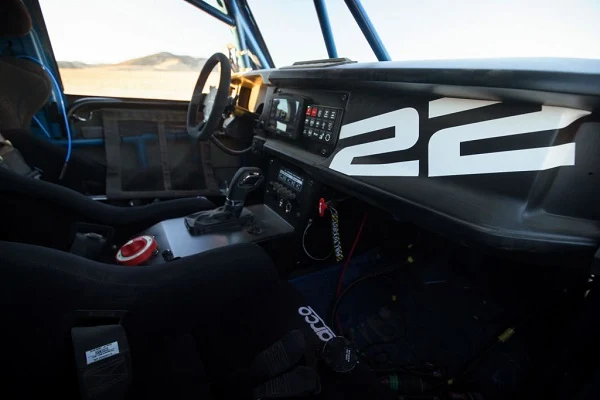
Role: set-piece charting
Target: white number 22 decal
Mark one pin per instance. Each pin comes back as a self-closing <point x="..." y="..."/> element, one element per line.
<point x="444" y="157"/>
<point x="406" y="126"/>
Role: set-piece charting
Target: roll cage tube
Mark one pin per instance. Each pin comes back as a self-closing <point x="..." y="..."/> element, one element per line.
<point x="366" y="26"/>
<point x="213" y="11"/>
<point x="248" y="33"/>
<point x="326" y="28"/>
<point x="362" y="20"/>
<point x="245" y="29"/>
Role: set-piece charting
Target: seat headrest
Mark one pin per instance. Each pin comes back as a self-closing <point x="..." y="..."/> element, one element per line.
<point x="14" y="18"/>
<point x="24" y="89"/>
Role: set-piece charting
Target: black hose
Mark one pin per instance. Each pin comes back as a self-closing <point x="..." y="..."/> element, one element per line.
<point x="227" y="150"/>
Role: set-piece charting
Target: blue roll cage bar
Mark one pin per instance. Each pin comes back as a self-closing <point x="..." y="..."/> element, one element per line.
<point x="248" y="36"/>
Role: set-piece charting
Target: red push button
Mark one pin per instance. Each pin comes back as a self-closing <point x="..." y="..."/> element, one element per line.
<point x="313" y="112"/>
<point x="133" y="248"/>
<point x="308" y="110"/>
<point x="137" y="250"/>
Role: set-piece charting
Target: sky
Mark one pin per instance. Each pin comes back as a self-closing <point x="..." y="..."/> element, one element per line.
<point x="111" y="31"/>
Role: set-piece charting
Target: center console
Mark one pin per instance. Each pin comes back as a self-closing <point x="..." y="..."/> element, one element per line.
<point x="306" y="121"/>
<point x="174" y="240"/>
<point x="288" y="196"/>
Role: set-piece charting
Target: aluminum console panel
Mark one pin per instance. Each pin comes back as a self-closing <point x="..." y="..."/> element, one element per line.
<point x="173" y="235"/>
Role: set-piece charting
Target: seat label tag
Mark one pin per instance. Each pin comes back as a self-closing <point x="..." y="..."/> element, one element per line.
<point x="102" y="352"/>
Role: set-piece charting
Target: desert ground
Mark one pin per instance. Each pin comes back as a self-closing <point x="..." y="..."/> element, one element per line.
<point x="134" y="83"/>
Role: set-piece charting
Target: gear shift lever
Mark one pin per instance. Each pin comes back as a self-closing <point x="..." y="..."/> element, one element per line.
<point x="244" y="181"/>
<point x="232" y="214"/>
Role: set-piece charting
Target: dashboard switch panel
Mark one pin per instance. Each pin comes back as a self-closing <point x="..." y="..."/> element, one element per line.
<point x="324" y="126"/>
<point x="310" y="119"/>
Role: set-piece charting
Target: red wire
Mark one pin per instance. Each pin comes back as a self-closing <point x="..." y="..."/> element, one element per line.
<point x="341" y="281"/>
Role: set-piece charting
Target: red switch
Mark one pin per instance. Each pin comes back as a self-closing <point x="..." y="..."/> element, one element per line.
<point x="313" y="112"/>
<point x="137" y="250"/>
<point x="308" y="110"/>
<point x="322" y="207"/>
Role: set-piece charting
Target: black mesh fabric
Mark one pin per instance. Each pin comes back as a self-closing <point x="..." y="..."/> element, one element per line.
<point x="149" y="154"/>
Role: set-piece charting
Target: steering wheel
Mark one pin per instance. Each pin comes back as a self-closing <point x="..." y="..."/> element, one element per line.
<point x="212" y="104"/>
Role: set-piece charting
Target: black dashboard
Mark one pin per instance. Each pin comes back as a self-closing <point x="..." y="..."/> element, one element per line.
<point x="501" y="154"/>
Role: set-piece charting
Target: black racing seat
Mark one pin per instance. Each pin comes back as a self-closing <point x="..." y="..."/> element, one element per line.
<point x="43" y="213"/>
<point x="178" y="320"/>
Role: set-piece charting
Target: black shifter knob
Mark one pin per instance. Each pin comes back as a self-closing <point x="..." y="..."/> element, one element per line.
<point x="232" y="213"/>
<point x="244" y="181"/>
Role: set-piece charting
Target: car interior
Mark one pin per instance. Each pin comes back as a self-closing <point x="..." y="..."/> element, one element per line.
<point x="327" y="230"/>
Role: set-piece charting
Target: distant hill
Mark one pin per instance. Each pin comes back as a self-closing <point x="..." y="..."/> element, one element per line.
<point x="157" y="62"/>
<point x="73" y="64"/>
<point x="166" y="61"/>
